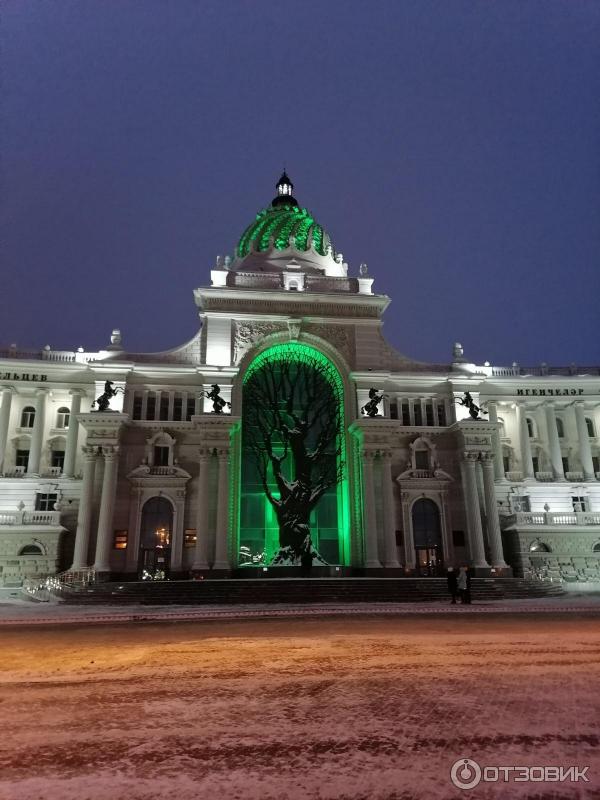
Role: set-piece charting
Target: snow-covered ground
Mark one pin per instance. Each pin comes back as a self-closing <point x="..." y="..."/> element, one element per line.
<point x="359" y="707"/>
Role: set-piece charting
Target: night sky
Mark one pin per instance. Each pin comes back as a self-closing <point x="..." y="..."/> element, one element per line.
<point x="453" y="146"/>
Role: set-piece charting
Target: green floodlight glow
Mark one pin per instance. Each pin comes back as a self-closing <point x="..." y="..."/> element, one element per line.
<point x="278" y="224"/>
<point x="330" y="520"/>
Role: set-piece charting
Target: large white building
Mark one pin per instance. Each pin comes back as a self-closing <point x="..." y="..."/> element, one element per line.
<point x="157" y="483"/>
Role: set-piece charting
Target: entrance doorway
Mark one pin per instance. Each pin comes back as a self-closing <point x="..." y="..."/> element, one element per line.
<point x="427" y="535"/>
<point x="155" y="539"/>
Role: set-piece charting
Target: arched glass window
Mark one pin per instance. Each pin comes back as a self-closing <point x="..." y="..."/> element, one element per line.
<point x="539" y="547"/>
<point x="530" y="428"/>
<point x="28" y="417"/>
<point x="596" y="548"/>
<point x="560" y="428"/>
<point x="62" y="417"/>
<point x="30" y="550"/>
<point x="589" y="424"/>
<point x="426" y="524"/>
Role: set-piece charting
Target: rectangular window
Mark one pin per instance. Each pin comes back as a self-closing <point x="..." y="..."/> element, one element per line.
<point x="190" y="408"/>
<point x="536" y="464"/>
<point x="565" y="463"/>
<point x="399" y="539"/>
<point x="506" y="462"/>
<point x="151" y="406"/>
<point x="421" y="459"/>
<point x="596" y="463"/>
<point x="189" y="537"/>
<point x="45" y="502"/>
<point x="164" y="407"/>
<point x="579" y="503"/>
<point x="429" y="414"/>
<point x="177" y="408"/>
<point x="393" y="409"/>
<point x="57" y="458"/>
<point x="137" y="405"/>
<point x="458" y="538"/>
<point x="22" y="458"/>
<point x="120" y="540"/>
<point x="405" y="414"/>
<point x="441" y="414"/>
<point x="161" y="456"/>
<point x="417" y="413"/>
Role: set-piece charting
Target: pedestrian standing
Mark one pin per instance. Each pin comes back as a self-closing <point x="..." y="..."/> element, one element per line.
<point x="452" y="585"/>
<point x="462" y="584"/>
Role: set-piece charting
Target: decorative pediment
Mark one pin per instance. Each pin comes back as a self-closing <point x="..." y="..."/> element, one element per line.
<point x="146" y="476"/>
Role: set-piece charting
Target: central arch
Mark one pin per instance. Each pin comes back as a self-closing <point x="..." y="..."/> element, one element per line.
<point x="261" y="535"/>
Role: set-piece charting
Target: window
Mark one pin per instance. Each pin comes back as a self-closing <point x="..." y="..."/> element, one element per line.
<point x="560" y="428"/>
<point x="596" y="463"/>
<point x="539" y="547"/>
<point x="293" y="286"/>
<point x="190" y="408"/>
<point x="151" y="406"/>
<point x="506" y="463"/>
<point x="520" y="502"/>
<point x="596" y="548"/>
<point x="177" y="408"/>
<point x="417" y="413"/>
<point x="45" y="501"/>
<point x="565" y="463"/>
<point x="530" y="428"/>
<point x="458" y="538"/>
<point x="441" y="409"/>
<point x="429" y="413"/>
<point x="137" y="405"/>
<point x="535" y="462"/>
<point x="57" y="458"/>
<point x="28" y="417"/>
<point x="393" y="409"/>
<point x="22" y="458"/>
<point x="421" y="459"/>
<point x="399" y="539"/>
<point x="62" y="417"/>
<point x="164" y="407"/>
<point x="579" y="503"/>
<point x="589" y="424"/>
<point x="120" y="540"/>
<point x="189" y="537"/>
<point x="30" y="550"/>
<point x="161" y="456"/>
<point x="405" y="414"/>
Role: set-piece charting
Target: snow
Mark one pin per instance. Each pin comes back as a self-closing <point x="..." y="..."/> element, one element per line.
<point x="375" y="706"/>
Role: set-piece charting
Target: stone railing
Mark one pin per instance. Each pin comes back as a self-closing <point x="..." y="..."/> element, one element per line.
<point x="52" y="472"/>
<point x="514" y="476"/>
<point x="557" y="517"/>
<point x="574" y="476"/>
<point x="29" y="517"/>
<point x="544" y="477"/>
<point x="163" y="471"/>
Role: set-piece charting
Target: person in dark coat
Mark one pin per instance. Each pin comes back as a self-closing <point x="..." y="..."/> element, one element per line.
<point x="468" y="595"/>
<point x="306" y="559"/>
<point x="452" y="584"/>
<point x="462" y="583"/>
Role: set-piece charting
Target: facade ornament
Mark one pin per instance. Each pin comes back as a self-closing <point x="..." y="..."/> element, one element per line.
<point x="370" y="409"/>
<point x="103" y="402"/>
<point x="468" y="402"/>
<point x="294" y="326"/>
<point x="218" y="402"/>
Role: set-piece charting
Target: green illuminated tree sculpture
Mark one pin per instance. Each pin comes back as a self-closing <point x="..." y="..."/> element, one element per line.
<point x="293" y="431"/>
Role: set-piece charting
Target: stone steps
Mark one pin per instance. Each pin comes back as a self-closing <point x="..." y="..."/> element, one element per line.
<point x="301" y="591"/>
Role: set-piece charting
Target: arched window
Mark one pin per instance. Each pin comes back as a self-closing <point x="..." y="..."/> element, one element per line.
<point x="539" y="547"/>
<point x="293" y="286"/>
<point x="30" y="550"/>
<point x="155" y="537"/>
<point x="589" y="424"/>
<point x="530" y="428"/>
<point x="426" y="524"/>
<point x="560" y="427"/>
<point x="596" y="548"/>
<point x="62" y="417"/>
<point x="28" y="417"/>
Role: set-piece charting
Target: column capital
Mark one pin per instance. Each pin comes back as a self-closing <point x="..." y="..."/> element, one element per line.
<point x="204" y="454"/>
<point x="110" y="451"/>
<point x="8" y="389"/>
<point x="77" y="392"/>
<point x="223" y="453"/>
<point x="487" y="459"/>
<point x="471" y="457"/>
<point x="41" y="391"/>
<point x="89" y="452"/>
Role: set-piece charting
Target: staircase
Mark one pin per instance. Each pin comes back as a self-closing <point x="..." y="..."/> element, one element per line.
<point x="298" y="591"/>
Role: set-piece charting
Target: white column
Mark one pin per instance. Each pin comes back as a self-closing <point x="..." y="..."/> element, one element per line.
<point x="491" y="512"/>
<point x="554" y="442"/>
<point x="158" y="395"/>
<point x="201" y="550"/>
<point x="526" y="462"/>
<point x="389" y="512"/>
<point x="84" y="517"/>
<point x="496" y="443"/>
<point x="37" y="434"/>
<point x="585" y="451"/>
<point x="107" y="507"/>
<point x="221" y="548"/>
<point x="72" y="432"/>
<point x="144" y="404"/>
<point x="371" y="555"/>
<point x="476" y="547"/>
<point x="4" y="420"/>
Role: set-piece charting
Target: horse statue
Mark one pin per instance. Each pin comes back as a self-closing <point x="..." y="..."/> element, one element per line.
<point x="370" y="409"/>
<point x="468" y="402"/>
<point x="103" y="402"/>
<point x="218" y="402"/>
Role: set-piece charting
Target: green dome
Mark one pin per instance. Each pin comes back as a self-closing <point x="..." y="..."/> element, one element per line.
<point x="276" y="225"/>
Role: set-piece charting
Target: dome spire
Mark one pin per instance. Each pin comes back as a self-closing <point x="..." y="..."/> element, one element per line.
<point x="285" y="191"/>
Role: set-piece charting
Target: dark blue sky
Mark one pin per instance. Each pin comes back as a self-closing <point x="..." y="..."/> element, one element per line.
<point x="454" y="146"/>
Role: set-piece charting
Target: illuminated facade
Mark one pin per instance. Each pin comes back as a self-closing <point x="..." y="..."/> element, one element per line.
<point x="159" y="484"/>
